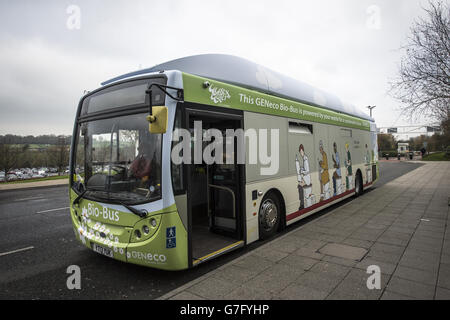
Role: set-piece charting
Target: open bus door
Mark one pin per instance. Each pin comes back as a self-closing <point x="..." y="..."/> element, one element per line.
<point x="214" y="190"/>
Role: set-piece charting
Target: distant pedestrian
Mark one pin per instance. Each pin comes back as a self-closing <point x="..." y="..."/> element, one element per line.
<point x="423" y="151"/>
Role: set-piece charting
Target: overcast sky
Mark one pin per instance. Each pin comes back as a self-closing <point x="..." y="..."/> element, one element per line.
<point x="348" y="47"/>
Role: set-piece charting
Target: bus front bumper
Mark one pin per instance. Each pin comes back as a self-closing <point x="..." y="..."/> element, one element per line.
<point x="165" y="247"/>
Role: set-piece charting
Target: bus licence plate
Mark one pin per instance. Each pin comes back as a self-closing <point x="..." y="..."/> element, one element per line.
<point x="104" y="251"/>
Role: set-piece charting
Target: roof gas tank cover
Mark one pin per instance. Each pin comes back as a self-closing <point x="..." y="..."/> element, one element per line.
<point x="266" y="77"/>
<point x="241" y="72"/>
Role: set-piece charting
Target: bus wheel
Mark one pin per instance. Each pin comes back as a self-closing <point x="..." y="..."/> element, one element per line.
<point x="358" y="185"/>
<point x="269" y="216"/>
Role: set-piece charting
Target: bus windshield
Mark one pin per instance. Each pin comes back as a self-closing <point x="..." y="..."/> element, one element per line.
<point x="118" y="160"/>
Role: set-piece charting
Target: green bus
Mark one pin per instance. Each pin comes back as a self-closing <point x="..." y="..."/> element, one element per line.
<point x="143" y="189"/>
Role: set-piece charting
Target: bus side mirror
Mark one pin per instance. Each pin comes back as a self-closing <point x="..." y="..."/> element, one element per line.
<point x="158" y="120"/>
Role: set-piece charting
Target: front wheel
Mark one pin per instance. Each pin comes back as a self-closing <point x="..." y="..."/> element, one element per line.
<point x="269" y="216"/>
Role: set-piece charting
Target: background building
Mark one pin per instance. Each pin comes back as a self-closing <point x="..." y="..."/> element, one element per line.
<point x="404" y="133"/>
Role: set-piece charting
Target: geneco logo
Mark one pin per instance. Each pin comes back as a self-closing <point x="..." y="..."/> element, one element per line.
<point x="148" y="257"/>
<point x="218" y="95"/>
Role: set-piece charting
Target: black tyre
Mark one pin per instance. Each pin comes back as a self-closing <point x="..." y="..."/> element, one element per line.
<point x="269" y="216"/>
<point x="359" y="188"/>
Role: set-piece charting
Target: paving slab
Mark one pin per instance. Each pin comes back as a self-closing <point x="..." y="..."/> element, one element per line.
<point x="234" y="273"/>
<point x="388" y="295"/>
<point x="275" y="278"/>
<point x="416" y="275"/>
<point x="444" y="276"/>
<point x="344" y="251"/>
<point x="298" y="292"/>
<point x="330" y="270"/>
<point x="340" y="261"/>
<point x="354" y="287"/>
<point x="385" y="267"/>
<point x="296" y="261"/>
<point x="185" y="295"/>
<point x="271" y="254"/>
<point x="254" y="262"/>
<point x="212" y="288"/>
<point x="442" y="294"/>
<point x="247" y="293"/>
<point x="318" y="282"/>
<point x="309" y="253"/>
<point x="411" y="288"/>
<point x="358" y="243"/>
<point x="389" y="257"/>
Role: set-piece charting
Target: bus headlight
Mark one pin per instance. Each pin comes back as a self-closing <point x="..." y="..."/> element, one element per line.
<point x="145" y="229"/>
<point x="137" y="233"/>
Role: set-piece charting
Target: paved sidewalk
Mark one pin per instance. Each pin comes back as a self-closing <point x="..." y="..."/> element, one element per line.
<point x="402" y="227"/>
<point x="37" y="184"/>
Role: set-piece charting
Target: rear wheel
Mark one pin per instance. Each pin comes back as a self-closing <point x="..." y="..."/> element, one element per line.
<point x="269" y="216"/>
<point x="359" y="185"/>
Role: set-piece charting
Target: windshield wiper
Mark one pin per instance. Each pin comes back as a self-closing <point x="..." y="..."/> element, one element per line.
<point x="140" y="213"/>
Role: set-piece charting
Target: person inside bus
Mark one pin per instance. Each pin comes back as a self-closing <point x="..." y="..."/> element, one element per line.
<point x="141" y="166"/>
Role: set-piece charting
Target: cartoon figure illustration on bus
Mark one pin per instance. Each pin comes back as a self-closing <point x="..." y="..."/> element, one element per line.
<point x="348" y="166"/>
<point x="325" y="192"/>
<point x="337" y="177"/>
<point x="306" y="197"/>
<point x="368" y="166"/>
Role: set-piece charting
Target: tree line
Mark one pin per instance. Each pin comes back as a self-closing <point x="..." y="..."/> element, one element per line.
<point x="15" y="155"/>
<point x="438" y="142"/>
<point x="48" y="139"/>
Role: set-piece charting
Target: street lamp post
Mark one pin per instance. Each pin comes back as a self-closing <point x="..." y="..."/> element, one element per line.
<point x="370" y="108"/>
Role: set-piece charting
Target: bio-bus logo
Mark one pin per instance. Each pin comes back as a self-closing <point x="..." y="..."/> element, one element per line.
<point x="107" y="214"/>
<point x="219" y="95"/>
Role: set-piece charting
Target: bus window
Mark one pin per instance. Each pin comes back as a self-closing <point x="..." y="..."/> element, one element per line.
<point x="121" y="160"/>
<point x="346" y="133"/>
<point x="296" y="127"/>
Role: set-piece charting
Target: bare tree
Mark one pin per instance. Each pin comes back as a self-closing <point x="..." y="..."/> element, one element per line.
<point x="423" y="84"/>
<point x="386" y="142"/>
<point x="59" y="154"/>
<point x="9" y="156"/>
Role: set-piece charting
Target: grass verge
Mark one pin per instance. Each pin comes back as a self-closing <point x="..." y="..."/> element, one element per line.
<point x="37" y="180"/>
<point x="438" y="156"/>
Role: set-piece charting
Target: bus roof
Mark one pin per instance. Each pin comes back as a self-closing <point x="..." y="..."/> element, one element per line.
<point x="244" y="73"/>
